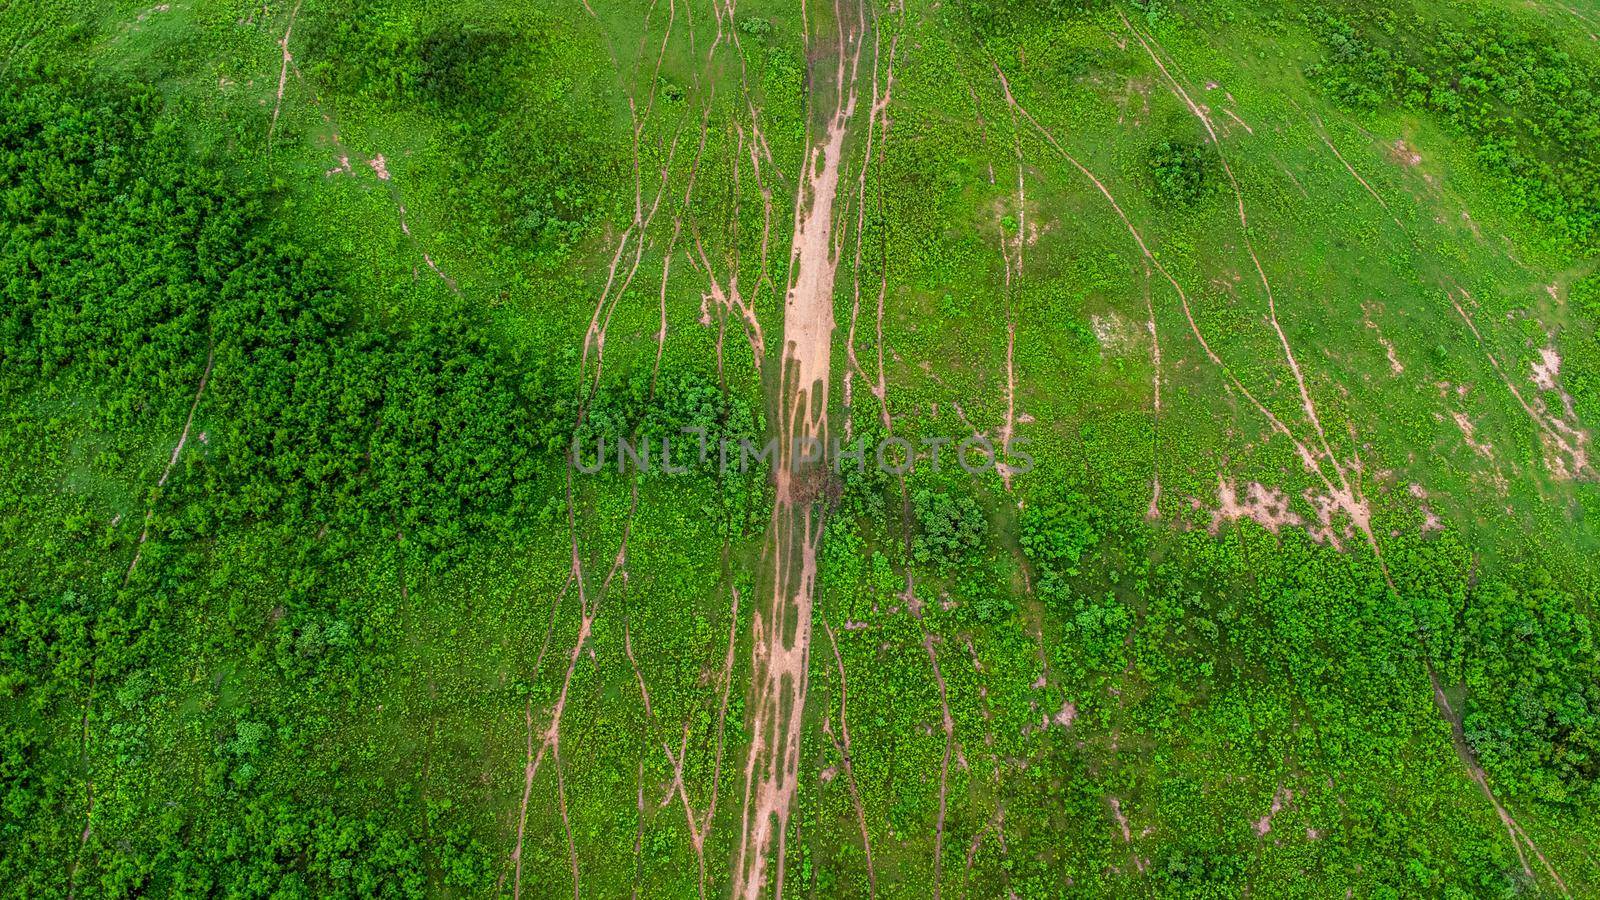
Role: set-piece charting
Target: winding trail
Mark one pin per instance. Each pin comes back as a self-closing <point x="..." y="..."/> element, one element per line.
<point x="877" y="126"/>
<point x="1348" y="497"/>
<point x="1567" y="442"/>
<point x="947" y="724"/>
<point x="1013" y="277"/>
<point x="1154" y="512"/>
<point x="1479" y="777"/>
<point x="144" y="535"/>
<point x="1307" y="457"/>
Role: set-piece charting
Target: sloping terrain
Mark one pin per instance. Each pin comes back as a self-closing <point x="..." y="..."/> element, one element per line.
<point x="1001" y="449"/>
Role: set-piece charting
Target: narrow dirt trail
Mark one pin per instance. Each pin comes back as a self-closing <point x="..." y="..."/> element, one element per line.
<point x="877" y="127"/>
<point x="144" y="535"/>
<point x="841" y="745"/>
<point x="699" y="824"/>
<point x="781" y="643"/>
<point x="635" y="237"/>
<point x="1519" y="838"/>
<point x="1154" y="512"/>
<point x="1307" y="457"/>
<point x="1553" y="437"/>
<point x="1348" y="497"/>
<point x="947" y="725"/>
<point x="1464" y="751"/>
<point x="183" y="439"/>
<point x="549" y="744"/>
<point x="1013" y="278"/>
<point x="1565" y="441"/>
<point x="700" y="829"/>
<point x="283" y="72"/>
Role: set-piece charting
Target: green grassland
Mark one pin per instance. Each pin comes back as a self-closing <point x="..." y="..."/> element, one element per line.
<point x="303" y="303"/>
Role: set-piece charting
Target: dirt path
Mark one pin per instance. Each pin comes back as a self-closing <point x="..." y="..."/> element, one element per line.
<point x="637" y="230"/>
<point x="841" y="745"/>
<point x="1322" y="133"/>
<point x="1566" y="443"/>
<point x="877" y="127"/>
<point x="1475" y="770"/>
<point x="1555" y="442"/>
<point x="144" y="535"/>
<point x="1013" y="277"/>
<point x="283" y="72"/>
<point x="699" y="830"/>
<point x="672" y="242"/>
<point x="1307" y="457"/>
<point x="997" y="824"/>
<point x="947" y="724"/>
<point x="183" y="438"/>
<point x="782" y="627"/>
<point x="699" y="824"/>
<point x="625" y="262"/>
<point x="1348" y="497"/>
<point x="1154" y="512"/>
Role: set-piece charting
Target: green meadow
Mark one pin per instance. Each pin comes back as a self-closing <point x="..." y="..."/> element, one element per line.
<point x="304" y="305"/>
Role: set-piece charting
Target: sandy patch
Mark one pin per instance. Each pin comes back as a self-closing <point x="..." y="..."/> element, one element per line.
<point x="1267" y="507"/>
<point x="1122" y="819"/>
<point x="1545" y="372"/>
<point x="1280" y="799"/>
<point x="1468" y="434"/>
<point x="1114" y="333"/>
<point x="1395" y="366"/>
<point x="1566" y="442"/>
<point x="1430" y="521"/>
<point x="1402" y="153"/>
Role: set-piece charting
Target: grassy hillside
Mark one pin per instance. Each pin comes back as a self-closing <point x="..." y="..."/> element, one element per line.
<point x="1292" y="307"/>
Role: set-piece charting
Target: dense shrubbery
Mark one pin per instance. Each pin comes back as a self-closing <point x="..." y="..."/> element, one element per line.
<point x="1533" y="679"/>
<point x="1528" y="105"/>
<point x="995" y="18"/>
<point x="493" y="90"/>
<point x="1182" y="172"/>
<point x="130" y="271"/>
<point x="128" y="266"/>
<point x="1056" y="533"/>
<point x="951" y="528"/>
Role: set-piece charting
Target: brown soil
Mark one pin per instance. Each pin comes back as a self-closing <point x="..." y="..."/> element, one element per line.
<point x="782" y="629"/>
<point x="1402" y="153"/>
<point x="283" y="72"/>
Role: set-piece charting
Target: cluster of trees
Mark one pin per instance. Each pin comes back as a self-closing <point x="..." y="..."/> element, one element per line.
<point x="1530" y="663"/>
<point x="951" y="529"/>
<point x="132" y="270"/>
<point x="130" y="267"/>
<point x="1497" y="78"/>
<point x="365" y="49"/>
<point x="1182" y="171"/>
